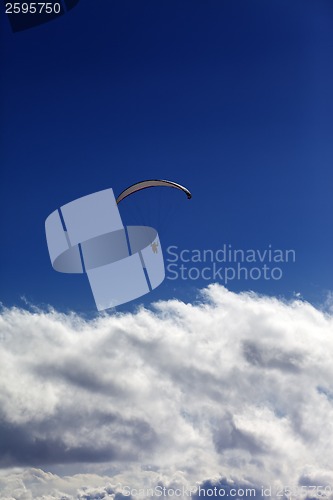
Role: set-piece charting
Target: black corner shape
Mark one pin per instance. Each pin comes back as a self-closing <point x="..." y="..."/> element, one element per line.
<point x="71" y="3"/>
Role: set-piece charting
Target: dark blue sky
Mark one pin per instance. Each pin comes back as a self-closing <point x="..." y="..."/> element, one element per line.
<point x="231" y="98"/>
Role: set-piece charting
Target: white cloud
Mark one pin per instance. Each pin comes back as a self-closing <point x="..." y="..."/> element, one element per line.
<point x="236" y="387"/>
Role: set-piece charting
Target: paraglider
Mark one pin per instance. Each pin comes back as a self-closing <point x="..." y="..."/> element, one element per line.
<point x="122" y="262"/>
<point x="138" y="186"/>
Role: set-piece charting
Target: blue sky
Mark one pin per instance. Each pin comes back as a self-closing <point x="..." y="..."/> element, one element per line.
<point x="232" y="99"/>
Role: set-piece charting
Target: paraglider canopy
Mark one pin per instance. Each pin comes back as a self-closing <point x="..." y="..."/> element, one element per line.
<point x="151" y="183"/>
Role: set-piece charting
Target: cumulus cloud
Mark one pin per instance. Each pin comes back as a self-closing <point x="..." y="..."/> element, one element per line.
<point x="234" y="389"/>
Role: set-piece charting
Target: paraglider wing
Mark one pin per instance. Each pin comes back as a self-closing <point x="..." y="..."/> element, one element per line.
<point x="151" y="183"/>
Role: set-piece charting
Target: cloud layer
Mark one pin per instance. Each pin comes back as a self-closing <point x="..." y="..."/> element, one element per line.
<point x="236" y="387"/>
